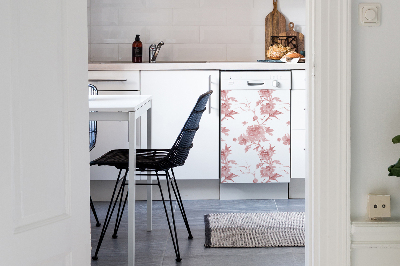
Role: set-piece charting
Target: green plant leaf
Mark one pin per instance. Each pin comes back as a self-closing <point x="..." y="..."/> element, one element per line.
<point x="396" y="139"/>
<point x="394" y="170"/>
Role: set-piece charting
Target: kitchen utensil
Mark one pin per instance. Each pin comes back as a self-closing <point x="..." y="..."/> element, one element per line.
<point x="275" y="23"/>
<point x="300" y="37"/>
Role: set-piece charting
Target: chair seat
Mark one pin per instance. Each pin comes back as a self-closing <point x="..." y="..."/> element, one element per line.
<point x="146" y="159"/>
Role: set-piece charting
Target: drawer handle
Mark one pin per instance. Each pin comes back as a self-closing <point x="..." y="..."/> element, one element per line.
<point x="100" y="80"/>
<point x="254" y="83"/>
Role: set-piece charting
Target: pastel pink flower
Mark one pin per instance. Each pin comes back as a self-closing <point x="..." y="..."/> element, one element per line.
<point x="286" y="139"/>
<point x="255" y="133"/>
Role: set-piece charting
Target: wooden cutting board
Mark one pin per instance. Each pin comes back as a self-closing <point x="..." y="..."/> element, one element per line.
<point x="275" y="23"/>
<point x="292" y="32"/>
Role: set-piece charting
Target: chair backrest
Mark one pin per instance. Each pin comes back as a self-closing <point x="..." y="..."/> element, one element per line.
<point x="180" y="150"/>
<point x="92" y="124"/>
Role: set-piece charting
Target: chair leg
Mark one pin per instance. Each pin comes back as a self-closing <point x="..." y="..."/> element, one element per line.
<point x="174" y="185"/>
<point x="174" y="239"/>
<point x="94" y="213"/>
<point x="120" y="211"/>
<point x="109" y="213"/>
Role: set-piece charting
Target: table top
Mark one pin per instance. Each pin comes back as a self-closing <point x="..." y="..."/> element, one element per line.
<point x="117" y="103"/>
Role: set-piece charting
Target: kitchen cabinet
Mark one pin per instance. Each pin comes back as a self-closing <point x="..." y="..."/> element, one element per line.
<point x="112" y="134"/>
<point x="298" y="118"/>
<point x="174" y="96"/>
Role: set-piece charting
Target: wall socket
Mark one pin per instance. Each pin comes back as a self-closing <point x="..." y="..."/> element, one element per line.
<point x="378" y="206"/>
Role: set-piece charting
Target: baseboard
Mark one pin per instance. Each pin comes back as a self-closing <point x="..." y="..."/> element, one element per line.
<point x="253" y="191"/>
<point x="375" y="242"/>
<point x="101" y="190"/>
<point x="297" y="188"/>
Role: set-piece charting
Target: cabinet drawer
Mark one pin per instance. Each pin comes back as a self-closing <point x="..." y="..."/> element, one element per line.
<point x="298" y="109"/>
<point x="298" y="154"/>
<point x="298" y="79"/>
<point x="115" y="80"/>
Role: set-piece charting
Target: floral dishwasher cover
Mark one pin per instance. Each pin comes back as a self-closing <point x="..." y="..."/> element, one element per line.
<point x="255" y="136"/>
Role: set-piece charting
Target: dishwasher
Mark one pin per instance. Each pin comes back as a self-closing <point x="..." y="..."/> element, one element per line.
<point x="255" y="126"/>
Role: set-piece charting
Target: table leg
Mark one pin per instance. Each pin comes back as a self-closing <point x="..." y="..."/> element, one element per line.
<point x="149" y="178"/>
<point x="132" y="190"/>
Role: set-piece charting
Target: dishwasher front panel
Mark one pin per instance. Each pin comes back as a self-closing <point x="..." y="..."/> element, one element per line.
<point x="255" y="136"/>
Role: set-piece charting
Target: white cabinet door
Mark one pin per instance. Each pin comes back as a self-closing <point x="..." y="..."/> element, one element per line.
<point x="298" y="154"/>
<point x="298" y="109"/>
<point x="174" y="96"/>
<point x="298" y="79"/>
<point x="44" y="174"/>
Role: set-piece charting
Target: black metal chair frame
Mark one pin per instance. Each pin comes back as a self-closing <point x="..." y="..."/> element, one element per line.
<point x="153" y="161"/>
<point x="92" y="143"/>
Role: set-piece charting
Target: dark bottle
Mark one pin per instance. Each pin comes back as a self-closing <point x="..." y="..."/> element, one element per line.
<point x="137" y="50"/>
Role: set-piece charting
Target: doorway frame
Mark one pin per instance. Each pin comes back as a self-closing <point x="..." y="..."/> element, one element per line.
<point x="328" y="224"/>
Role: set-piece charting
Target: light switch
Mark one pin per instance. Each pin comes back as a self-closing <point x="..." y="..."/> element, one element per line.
<point x="369" y="14"/>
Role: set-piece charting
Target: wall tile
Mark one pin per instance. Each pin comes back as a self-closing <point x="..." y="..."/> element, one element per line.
<point x="125" y="52"/>
<point x="115" y="34"/>
<point x="173" y="34"/>
<point x="145" y="17"/>
<point x="246" y="17"/>
<point x="239" y="4"/>
<point x="105" y="16"/>
<point x="201" y="16"/>
<point x="226" y="3"/>
<point x="245" y="52"/>
<point x="119" y="3"/>
<point x="89" y="52"/>
<point x="193" y="30"/>
<point x="293" y="10"/>
<point x="166" y="53"/>
<point x="104" y="52"/>
<point x="258" y="35"/>
<point x="214" y="3"/>
<point x="199" y="52"/>
<point x="88" y="16"/>
<point x="224" y="34"/>
<point x="172" y="3"/>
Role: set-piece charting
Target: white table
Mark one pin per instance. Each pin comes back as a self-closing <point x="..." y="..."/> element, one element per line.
<point x="127" y="108"/>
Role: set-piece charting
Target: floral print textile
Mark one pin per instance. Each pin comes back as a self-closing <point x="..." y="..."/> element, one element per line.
<point x="255" y="136"/>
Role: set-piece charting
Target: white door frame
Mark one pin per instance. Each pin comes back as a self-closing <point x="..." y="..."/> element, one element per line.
<point x="328" y="179"/>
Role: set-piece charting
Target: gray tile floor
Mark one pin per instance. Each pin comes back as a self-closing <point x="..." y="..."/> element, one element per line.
<point x="155" y="248"/>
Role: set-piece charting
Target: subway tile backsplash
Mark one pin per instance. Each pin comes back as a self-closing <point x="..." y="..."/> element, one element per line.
<point x="192" y="30"/>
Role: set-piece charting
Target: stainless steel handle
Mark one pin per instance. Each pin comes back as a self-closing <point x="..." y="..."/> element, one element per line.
<point x="209" y="99"/>
<point x="100" y="80"/>
<point x="254" y="83"/>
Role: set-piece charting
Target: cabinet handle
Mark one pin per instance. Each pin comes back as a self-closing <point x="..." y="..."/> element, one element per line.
<point x="100" y="80"/>
<point x="209" y="99"/>
<point x="254" y="83"/>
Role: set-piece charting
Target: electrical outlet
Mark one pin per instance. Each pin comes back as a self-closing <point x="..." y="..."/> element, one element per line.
<point x="378" y="206"/>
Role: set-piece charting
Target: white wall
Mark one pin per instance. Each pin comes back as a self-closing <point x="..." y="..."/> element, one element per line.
<point x="193" y="30"/>
<point x="375" y="119"/>
<point x="375" y="108"/>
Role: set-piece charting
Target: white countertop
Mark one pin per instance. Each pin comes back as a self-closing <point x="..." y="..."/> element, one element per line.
<point x="196" y="66"/>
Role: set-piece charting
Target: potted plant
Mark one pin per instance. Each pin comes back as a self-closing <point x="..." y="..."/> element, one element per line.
<point x="394" y="170"/>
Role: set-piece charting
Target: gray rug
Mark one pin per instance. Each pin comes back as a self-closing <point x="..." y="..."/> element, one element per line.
<point x="273" y="229"/>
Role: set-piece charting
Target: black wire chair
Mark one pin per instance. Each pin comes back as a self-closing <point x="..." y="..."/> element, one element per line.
<point x="154" y="160"/>
<point x="92" y="143"/>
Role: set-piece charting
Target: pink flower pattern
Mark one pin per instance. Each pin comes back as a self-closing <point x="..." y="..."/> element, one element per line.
<point x="254" y="138"/>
